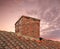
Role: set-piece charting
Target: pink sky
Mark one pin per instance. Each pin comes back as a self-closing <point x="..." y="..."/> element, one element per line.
<point x="48" y="11"/>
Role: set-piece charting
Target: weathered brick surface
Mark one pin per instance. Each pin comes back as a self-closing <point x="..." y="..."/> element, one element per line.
<point x="28" y="26"/>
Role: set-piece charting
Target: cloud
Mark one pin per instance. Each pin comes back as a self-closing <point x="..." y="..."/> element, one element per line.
<point x="54" y="35"/>
<point x="48" y="11"/>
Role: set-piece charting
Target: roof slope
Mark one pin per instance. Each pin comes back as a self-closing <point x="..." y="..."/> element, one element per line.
<point x="9" y="40"/>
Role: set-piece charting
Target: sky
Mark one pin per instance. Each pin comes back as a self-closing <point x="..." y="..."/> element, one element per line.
<point x="48" y="11"/>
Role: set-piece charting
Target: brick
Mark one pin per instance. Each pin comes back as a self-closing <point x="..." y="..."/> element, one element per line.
<point x="29" y="26"/>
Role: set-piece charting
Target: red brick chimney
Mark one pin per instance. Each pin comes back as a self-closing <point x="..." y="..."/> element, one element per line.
<point x="28" y="27"/>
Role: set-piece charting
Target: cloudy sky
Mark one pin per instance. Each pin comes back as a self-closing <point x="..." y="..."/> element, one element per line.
<point x="48" y="11"/>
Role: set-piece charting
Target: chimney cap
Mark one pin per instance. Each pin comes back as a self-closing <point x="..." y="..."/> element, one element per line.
<point x="26" y="17"/>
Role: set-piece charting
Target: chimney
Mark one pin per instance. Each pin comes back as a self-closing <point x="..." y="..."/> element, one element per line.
<point x="28" y="27"/>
